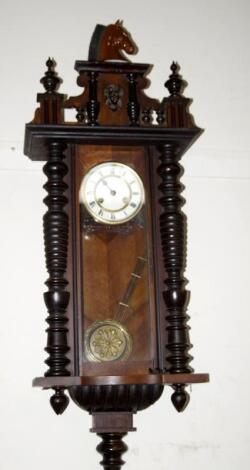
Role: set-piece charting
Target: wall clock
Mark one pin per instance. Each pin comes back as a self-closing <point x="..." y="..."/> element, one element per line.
<point x="115" y="239"/>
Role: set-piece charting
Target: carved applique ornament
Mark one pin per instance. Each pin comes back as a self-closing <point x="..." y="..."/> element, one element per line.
<point x="115" y="239"/>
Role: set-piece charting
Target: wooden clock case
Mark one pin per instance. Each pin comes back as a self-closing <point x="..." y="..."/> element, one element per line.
<point x="115" y="120"/>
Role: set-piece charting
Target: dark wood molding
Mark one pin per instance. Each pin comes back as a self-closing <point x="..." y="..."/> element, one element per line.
<point x="160" y="379"/>
<point x="111" y="67"/>
<point x="37" y="137"/>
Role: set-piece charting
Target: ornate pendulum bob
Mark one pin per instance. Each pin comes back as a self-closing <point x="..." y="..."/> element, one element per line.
<point x="107" y="341"/>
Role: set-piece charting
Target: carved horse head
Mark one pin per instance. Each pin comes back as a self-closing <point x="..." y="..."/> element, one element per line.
<point x="108" y="42"/>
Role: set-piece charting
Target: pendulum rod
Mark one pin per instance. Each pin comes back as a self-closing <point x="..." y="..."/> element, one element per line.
<point x="123" y="306"/>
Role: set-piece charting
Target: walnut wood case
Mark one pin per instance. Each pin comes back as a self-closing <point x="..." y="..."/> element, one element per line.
<point x="90" y="263"/>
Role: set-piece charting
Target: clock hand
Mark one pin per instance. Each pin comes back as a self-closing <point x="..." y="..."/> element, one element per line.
<point x="112" y="191"/>
<point x="135" y="275"/>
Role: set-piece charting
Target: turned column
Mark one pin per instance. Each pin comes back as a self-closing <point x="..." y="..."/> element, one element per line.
<point x="56" y="226"/>
<point x="112" y="447"/>
<point x="133" y="106"/>
<point x="93" y="106"/>
<point x="176" y="297"/>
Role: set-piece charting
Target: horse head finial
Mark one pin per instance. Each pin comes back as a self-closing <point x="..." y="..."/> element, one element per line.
<point x="109" y="42"/>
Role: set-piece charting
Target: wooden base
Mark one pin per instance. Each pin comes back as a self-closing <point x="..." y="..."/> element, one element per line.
<point x="112" y="422"/>
<point x="112" y="427"/>
<point x="159" y="379"/>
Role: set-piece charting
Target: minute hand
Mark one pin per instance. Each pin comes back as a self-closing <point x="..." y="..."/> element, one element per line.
<point x="112" y="191"/>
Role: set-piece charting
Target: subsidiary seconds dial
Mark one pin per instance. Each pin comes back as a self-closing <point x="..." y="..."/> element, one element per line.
<point x="112" y="193"/>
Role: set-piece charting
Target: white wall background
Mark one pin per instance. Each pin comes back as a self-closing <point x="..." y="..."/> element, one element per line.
<point x="211" y="42"/>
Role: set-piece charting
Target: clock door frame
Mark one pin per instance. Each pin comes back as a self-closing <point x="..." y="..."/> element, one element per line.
<point x="116" y="368"/>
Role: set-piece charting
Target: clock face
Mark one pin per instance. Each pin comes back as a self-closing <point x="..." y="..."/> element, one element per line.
<point x="112" y="193"/>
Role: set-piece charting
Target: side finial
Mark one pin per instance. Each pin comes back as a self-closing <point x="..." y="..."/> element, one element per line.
<point x="180" y="398"/>
<point x="174" y="83"/>
<point x="51" y="109"/>
<point x="174" y="109"/>
<point x="59" y="401"/>
<point x="50" y="80"/>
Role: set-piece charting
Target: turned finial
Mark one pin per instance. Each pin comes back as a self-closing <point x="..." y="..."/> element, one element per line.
<point x="174" y="83"/>
<point x="50" y="80"/>
<point x="180" y="398"/>
<point x="59" y="401"/>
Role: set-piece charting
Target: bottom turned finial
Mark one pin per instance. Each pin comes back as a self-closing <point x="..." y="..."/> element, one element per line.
<point x="180" y="398"/>
<point x="59" y="401"/>
<point x="112" y="447"/>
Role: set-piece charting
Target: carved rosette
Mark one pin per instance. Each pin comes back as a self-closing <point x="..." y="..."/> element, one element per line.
<point x="113" y="94"/>
<point x="173" y="238"/>
<point x="56" y="246"/>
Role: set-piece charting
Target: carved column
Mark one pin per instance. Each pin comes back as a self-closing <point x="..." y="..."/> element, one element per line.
<point x="93" y="106"/>
<point x="176" y="297"/>
<point x="56" y="246"/>
<point x="133" y="104"/>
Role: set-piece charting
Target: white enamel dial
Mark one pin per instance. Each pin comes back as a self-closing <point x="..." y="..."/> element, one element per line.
<point x="112" y="193"/>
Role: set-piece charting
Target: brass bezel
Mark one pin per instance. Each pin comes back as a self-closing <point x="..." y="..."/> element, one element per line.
<point x="83" y="199"/>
